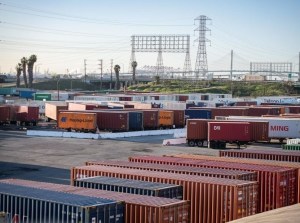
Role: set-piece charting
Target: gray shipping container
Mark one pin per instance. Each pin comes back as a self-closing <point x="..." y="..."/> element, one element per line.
<point x="131" y="186"/>
<point x="31" y="205"/>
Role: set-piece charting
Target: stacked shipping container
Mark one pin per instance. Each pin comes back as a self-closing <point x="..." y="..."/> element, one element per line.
<point x="212" y="199"/>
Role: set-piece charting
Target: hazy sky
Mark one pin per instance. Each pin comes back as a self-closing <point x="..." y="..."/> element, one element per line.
<point x="62" y="33"/>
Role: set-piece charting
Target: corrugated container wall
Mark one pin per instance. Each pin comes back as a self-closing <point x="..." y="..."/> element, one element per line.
<point x="198" y="113"/>
<point x="52" y="109"/>
<point x="165" y="118"/>
<point x="80" y="121"/>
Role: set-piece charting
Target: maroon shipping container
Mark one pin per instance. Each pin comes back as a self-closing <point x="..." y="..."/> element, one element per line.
<point x="138" y="208"/>
<point x="150" y="119"/>
<point x="269" y="154"/>
<point x="277" y="185"/>
<point x="196" y="131"/>
<point x="228" y="111"/>
<point x="259" y="111"/>
<point x="183" y="97"/>
<point x="245" y="103"/>
<point x="207" y="172"/>
<point x="294" y="109"/>
<point x="112" y="120"/>
<point x="212" y="199"/>
<point x="229" y="131"/>
<point x="5" y="116"/>
<point x="125" y="98"/>
<point x="28" y="114"/>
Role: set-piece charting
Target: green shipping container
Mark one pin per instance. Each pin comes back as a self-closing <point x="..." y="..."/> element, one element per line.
<point x="291" y="147"/>
<point x="41" y="97"/>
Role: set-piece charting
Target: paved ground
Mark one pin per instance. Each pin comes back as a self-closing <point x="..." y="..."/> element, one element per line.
<point x="50" y="159"/>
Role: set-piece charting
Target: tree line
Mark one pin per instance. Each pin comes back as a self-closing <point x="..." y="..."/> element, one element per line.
<point x="21" y="67"/>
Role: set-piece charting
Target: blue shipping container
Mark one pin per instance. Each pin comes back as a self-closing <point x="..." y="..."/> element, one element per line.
<point x="26" y="94"/>
<point x="135" y="121"/>
<point x="197" y="114"/>
<point x="26" y="204"/>
<point x="131" y="186"/>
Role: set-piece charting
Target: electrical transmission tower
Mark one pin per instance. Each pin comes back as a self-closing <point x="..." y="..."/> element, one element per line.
<point x="201" y="60"/>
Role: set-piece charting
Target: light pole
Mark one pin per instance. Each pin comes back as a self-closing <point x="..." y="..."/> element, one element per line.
<point x="57" y="86"/>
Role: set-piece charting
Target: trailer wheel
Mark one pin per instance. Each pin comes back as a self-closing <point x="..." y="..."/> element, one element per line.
<point x="191" y="143"/>
<point x="199" y="143"/>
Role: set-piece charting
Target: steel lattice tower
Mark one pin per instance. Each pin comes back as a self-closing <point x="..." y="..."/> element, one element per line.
<point x="187" y="68"/>
<point x="201" y="60"/>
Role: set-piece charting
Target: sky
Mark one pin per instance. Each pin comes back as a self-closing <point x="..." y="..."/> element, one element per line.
<point x="64" y="33"/>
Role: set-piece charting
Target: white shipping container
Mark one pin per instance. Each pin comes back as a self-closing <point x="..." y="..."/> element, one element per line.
<point x="278" y="127"/>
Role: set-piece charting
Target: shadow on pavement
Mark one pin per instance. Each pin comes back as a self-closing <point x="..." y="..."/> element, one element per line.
<point x="34" y="172"/>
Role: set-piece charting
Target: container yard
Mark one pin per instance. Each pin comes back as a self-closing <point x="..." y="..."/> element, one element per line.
<point x="158" y="183"/>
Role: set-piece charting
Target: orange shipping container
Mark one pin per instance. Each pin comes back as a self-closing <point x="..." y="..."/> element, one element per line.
<point x="165" y="118"/>
<point x="80" y="121"/>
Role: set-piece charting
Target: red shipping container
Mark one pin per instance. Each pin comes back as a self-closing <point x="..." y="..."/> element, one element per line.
<point x="259" y="111"/>
<point x="229" y="131"/>
<point x="278" y="155"/>
<point x="277" y="185"/>
<point x="212" y="199"/>
<point x="198" y="171"/>
<point x="196" y="131"/>
<point x="183" y="97"/>
<point x="138" y="208"/>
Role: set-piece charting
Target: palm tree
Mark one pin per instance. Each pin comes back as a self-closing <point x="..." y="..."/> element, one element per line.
<point x="24" y="64"/>
<point x="134" y="65"/>
<point x="117" y="71"/>
<point x="19" y="71"/>
<point x="32" y="59"/>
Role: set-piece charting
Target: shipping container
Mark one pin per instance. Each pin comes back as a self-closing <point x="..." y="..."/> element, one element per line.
<point x="78" y="121"/>
<point x="150" y="119"/>
<point x="279" y="128"/>
<point x="277" y="185"/>
<point x="291" y="147"/>
<point x="196" y="132"/>
<point x="135" y="120"/>
<point x="83" y="106"/>
<point x="131" y="186"/>
<point x="198" y="171"/>
<point x="219" y="133"/>
<point x="198" y="113"/>
<point x="8" y="91"/>
<point x="138" y="208"/>
<point x="27" y="114"/>
<point x="115" y="121"/>
<point x="28" y="94"/>
<point x="5" y="116"/>
<point x="42" y="97"/>
<point x="179" y="118"/>
<point x="212" y="199"/>
<point x="26" y="204"/>
<point x="165" y="119"/>
<point x="245" y="103"/>
<point x="228" y="111"/>
<point x="259" y="111"/>
<point x="52" y="109"/>
<point x="269" y="154"/>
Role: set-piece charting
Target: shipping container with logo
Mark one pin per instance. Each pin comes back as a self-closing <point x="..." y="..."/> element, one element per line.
<point x="78" y="121"/>
<point x="165" y="119"/>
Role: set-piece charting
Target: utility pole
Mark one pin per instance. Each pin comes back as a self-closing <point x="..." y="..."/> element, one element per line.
<point x="85" y="71"/>
<point x="299" y="68"/>
<point x="111" y="68"/>
<point x="231" y="67"/>
<point x="101" y="73"/>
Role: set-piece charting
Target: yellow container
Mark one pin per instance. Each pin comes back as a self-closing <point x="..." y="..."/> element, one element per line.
<point x="165" y="118"/>
<point x="79" y="121"/>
